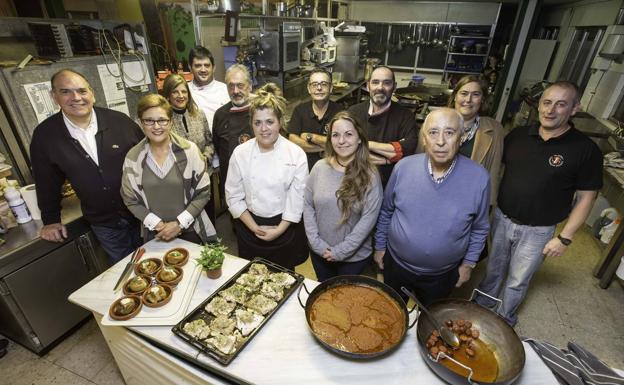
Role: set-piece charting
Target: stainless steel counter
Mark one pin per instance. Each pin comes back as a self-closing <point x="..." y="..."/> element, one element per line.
<point x="23" y="243"/>
<point x="37" y="276"/>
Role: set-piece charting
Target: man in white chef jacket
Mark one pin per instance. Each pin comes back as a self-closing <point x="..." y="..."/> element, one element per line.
<point x="208" y="93"/>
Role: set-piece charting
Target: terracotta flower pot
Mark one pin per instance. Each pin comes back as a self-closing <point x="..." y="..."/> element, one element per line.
<point x="214" y="274"/>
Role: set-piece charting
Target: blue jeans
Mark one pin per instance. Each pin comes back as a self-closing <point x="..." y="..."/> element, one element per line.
<point x="119" y="241"/>
<point x="515" y="255"/>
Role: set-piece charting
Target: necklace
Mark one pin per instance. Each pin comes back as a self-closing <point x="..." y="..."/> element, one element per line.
<point x="340" y="164"/>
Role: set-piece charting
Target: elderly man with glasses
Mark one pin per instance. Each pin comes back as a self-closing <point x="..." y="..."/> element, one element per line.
<point x="308" y="125"/>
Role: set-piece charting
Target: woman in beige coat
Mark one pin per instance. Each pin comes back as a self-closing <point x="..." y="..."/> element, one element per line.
<point x="482" y="140"/>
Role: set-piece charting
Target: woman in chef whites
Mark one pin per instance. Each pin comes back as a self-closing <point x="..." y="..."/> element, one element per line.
<point x="342" y="200"/>
<point x="482" y="140"/>
<point x="165" y="182"/>
<point x="264" y="188"/>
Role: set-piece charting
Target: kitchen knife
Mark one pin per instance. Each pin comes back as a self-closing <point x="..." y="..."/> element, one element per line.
<point x="135" y="257"/>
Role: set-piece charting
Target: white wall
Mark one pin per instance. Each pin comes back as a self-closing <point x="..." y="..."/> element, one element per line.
<point x="579" y="14"/>
<point x="390" y="11"/>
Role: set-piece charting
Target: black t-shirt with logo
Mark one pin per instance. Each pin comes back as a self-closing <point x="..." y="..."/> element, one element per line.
<point x="304" y="119"/>
<point x="541" y="177"/>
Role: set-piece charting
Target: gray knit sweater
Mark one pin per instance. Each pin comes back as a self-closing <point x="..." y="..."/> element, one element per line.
<point x="349" y="241"/>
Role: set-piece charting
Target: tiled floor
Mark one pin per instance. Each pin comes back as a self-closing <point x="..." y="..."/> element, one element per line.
<point x="564" y="304"/>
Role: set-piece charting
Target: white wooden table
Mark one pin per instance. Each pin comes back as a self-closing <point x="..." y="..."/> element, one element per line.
<point x="282" y="352"/>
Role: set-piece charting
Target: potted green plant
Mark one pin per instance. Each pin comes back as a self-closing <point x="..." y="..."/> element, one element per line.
<point x="211" y="259"/>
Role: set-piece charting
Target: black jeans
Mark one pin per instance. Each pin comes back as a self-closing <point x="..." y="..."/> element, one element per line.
<point x="428" y="288"/>
<point x="325" y="270"/>
<point x="120" y="240"/>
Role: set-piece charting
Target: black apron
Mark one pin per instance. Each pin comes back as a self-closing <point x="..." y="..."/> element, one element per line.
<point x="288" y="250"/>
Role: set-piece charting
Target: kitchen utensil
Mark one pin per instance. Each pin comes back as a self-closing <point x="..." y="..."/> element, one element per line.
<point x="126" y="272"/>
<point x="355" y="280"/>
<point x="447" y="335"/>
<point x="435" y="40"/>
<point x="494" y="332"/>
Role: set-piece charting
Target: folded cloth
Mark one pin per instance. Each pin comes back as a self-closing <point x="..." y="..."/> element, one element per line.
<point x="575" y="366"/>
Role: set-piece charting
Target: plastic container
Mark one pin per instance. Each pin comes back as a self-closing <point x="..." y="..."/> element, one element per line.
<point x="17" y="205"/>
<point x="620" y="270"/>
<point x="6" y="215"/>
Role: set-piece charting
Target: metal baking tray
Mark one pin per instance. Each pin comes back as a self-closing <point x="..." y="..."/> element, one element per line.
<point x="200" y="312"/>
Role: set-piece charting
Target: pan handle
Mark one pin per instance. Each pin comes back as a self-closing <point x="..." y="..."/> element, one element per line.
<point x="500" y="301"/>
<point x="303" y="286"/>
<point x="468" y="368"/>
<point x="415" y="318"/>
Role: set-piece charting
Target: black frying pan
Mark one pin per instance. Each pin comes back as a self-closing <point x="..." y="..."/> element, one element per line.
<point x="357" y="280"/>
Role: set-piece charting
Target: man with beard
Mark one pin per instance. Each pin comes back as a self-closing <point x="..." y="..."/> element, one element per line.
<point x="392" y="130"/>
<point x="208" y="93"/>
<point x="232" y="122"/>
<point x="307" y="126"/>
<point x="552" y="173"/>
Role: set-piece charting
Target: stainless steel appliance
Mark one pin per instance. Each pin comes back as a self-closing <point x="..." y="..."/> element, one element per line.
<point x="280" y="49"/>
<point x="351" y="53"/>
<point x="37" y="276"/>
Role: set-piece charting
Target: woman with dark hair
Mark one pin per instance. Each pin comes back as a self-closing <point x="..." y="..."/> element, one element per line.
<point x="264" y="188"/>
<point x="343" y="196"/>
<point x="165" y="183"/>
<point x="482" y="140"/>
<point x="189" y="122"/>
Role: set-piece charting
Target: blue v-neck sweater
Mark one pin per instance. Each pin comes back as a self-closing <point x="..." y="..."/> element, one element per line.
<point x="431" y="228"/>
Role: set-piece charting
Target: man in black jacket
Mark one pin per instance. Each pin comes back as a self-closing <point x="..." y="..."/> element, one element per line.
<point x="87" y="146"/>
<point x="392" y="129"/>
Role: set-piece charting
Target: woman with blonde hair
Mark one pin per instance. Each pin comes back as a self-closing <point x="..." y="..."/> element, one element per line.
<point x="165" y="183"/>
<point x="189" y="122"/>
<point x="264" y="188"/>
<point x="343" y="196"/>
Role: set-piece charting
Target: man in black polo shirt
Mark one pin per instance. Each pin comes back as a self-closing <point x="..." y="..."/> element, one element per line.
<point x="392" y="130"/>
<point x="307" y="127"/>
<point x="86" y="145"/>
<point x="545" y="167"/>
<point x="232" y="124"/>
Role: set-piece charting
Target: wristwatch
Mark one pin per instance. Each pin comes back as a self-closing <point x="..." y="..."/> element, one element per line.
<point x="309" y="138"/>
<point x="563" y="240"/>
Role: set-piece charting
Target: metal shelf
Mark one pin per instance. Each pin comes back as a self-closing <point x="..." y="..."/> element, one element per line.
<point x="469" y="37"/>
<point x="467" y="54"/>
<point x="462" y="72"/>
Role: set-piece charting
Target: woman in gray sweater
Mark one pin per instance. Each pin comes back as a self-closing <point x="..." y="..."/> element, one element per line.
<point x="343" y="196"/>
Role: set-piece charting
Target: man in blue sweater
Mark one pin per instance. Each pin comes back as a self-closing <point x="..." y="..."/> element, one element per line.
<point x="434" y="219"/>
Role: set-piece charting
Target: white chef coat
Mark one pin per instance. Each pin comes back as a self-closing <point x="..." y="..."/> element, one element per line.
<point x="267" y="184"/>
<point x="210" y="97"/>
<point x="85" y="136"/>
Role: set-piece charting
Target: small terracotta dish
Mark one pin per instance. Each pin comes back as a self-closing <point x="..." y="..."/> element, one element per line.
<point x="176" y="257"/>
<point x="137" y="285"/>
<point x="157" y="295"/>
<point x="125" y="307"/>
<point x="149" y="266"/>
<point x="170" y="275"/>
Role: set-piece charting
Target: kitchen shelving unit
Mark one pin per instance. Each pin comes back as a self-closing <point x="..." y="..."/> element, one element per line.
<point x="468" y="50"/>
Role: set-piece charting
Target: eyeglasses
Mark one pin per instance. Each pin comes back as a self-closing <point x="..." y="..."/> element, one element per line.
<point x="319" y="84"/>
<point x="151" y="122"/>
